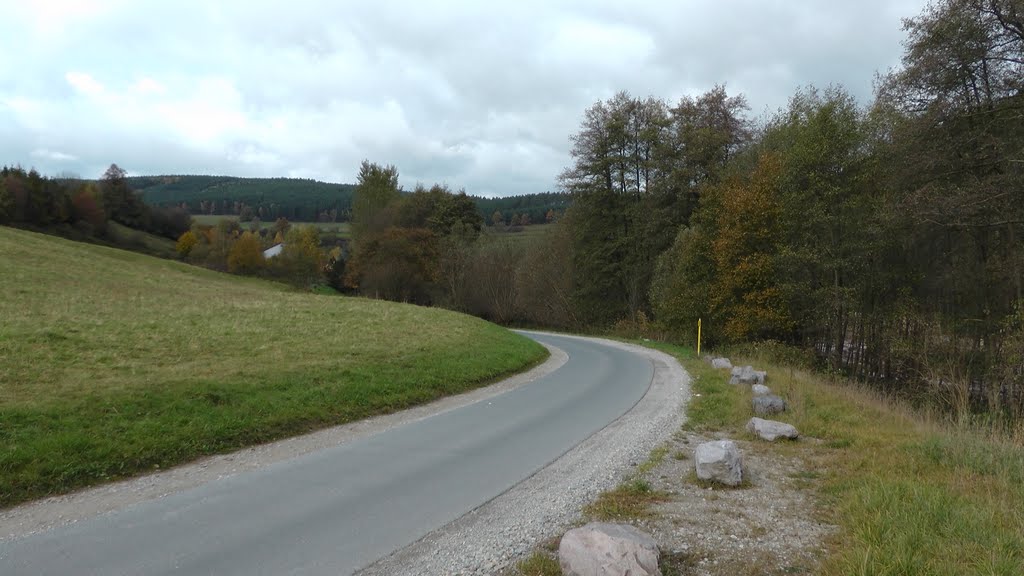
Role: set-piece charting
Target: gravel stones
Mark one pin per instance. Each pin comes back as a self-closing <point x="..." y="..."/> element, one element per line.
<point x="600" y="549"/>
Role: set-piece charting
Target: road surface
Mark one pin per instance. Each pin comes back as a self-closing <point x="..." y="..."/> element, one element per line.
<point x="341" y="508"/>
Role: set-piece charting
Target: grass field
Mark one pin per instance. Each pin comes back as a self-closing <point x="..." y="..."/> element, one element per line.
<point x="113" y="363"/>
<point x="340" y="228"/>
<point x="912" y="493"/>
<point x="524" y="234"/>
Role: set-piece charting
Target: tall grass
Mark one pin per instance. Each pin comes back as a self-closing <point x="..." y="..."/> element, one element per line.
<point x="913" y="491"/>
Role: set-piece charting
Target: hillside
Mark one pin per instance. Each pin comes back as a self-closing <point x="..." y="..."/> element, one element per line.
<point x="113" y="363"/>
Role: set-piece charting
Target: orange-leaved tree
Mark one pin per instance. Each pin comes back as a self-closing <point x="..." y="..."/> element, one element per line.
<point x="746" y="291"/>
<point x="245" y="256"/>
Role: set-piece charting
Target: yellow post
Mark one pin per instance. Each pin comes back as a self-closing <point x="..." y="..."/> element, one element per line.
<point x="698" y="337"/>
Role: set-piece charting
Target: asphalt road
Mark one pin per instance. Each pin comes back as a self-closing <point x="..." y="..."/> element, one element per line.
<point x="339" y="509"/>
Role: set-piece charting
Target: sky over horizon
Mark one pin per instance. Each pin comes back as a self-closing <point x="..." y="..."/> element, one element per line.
<point x="475" y="95"/>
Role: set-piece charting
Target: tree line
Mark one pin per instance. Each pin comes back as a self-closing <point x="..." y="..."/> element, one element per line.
<point x="886" y="238"/>
<point x="82" y="209"/>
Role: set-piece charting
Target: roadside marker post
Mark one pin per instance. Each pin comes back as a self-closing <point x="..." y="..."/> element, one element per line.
<point x="698" y="337"/>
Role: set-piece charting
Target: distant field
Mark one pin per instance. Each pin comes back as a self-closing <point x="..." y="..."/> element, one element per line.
<point x="212" y="219"/>
<point x="525" y="233"/>
<point x="340" y="227"/>
<point x="113" y="363"/>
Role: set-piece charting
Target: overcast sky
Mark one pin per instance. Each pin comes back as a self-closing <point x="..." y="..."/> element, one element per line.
<point x="479" y="95"/>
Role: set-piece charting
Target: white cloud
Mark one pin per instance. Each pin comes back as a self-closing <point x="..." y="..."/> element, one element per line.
<point x="480" y="95"/>
<point x="53" y="155"/>
<point x="84" y="84"/>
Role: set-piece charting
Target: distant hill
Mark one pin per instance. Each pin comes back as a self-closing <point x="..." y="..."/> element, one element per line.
<point x="297" y="199"/>
<point x="303" y="200"/>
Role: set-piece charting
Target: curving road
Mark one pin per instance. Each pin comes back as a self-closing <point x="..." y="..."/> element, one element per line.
<point x="341" y="508"/>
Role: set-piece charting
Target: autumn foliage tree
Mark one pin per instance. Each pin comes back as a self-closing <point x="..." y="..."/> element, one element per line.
<point x="246" y="256"/>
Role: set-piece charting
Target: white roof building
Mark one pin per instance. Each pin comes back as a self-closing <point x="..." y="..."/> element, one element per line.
<point x="273" y="251"/>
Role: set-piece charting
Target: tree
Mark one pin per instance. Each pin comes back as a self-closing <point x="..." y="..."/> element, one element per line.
<point x="186" y="242"/>
<point x="280" y="228"/>
<point x="376" y="188"/>
<point x="497" y="219"/>
<point x="636" y="174"/>
<point x="397" y="264"/>
<point x="120" y="202"/>
<point x="746" y="292"/>
<point x="246" y="213"/>
<point x="86" y="208"/>
<point x="300" y="261"/>
<point x="6" y="203"/>
<point x="246" y="256"/>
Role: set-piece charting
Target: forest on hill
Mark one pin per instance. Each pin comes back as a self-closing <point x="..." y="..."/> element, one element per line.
<point x="296" y="199"/>
<point x="304" y="200"/>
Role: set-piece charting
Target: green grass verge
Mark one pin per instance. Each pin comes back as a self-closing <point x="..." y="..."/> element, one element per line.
<point x="113" y="363"/>
<point x="911" y="494"/>
<point x="538" y="564"/>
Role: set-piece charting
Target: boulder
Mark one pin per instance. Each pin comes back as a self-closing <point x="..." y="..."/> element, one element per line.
<point x="747" y="375"/>
<point x="721" y="363"/>
<point x="719" y="461"/>
<point x="760" y="390"/>
<point x="734" y="375"/>
<point x="771" y="430"/>
<point x="768" y="405"/>
<point x="600" y="549"/>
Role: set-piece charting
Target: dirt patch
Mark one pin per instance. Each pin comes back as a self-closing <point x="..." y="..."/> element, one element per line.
<point x="767" y="526"/>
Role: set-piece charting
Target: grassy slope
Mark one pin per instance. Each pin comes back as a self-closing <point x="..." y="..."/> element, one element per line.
<point x="113" y="363"/>
<point x="912" y="495"/>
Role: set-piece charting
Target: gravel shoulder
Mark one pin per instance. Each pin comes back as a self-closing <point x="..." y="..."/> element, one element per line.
<point x="488" y="539"/>
<point x="48" y="513"/>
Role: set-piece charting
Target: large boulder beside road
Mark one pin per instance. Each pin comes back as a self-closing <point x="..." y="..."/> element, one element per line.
<point x="600" y="549"/>
<point x="719" y="461"/>
<point x="747" y="375"/>
<point x="771" y="430"/>
<point x="768" y="405"/>
<point x="721" y="363"/>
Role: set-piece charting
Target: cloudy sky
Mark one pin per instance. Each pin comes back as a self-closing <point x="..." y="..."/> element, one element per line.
<point x="481" y="95"/>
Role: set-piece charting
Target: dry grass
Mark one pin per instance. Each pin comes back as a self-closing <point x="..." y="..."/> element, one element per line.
<point x="914" y="493"/>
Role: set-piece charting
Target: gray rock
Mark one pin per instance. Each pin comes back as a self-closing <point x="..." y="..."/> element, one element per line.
<point x="768" y="405"/>
<point x="760" y="390"/>
<point x="600" y="549"/>
<point x="747" y="375"/>
<point x="771" y="430"/>
<point x="719" y="461"/>
<point x="734" y="375"/>
<point x="721" y="363"/>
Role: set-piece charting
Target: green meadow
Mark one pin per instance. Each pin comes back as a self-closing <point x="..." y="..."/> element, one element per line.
<point x="114" y="363"/>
